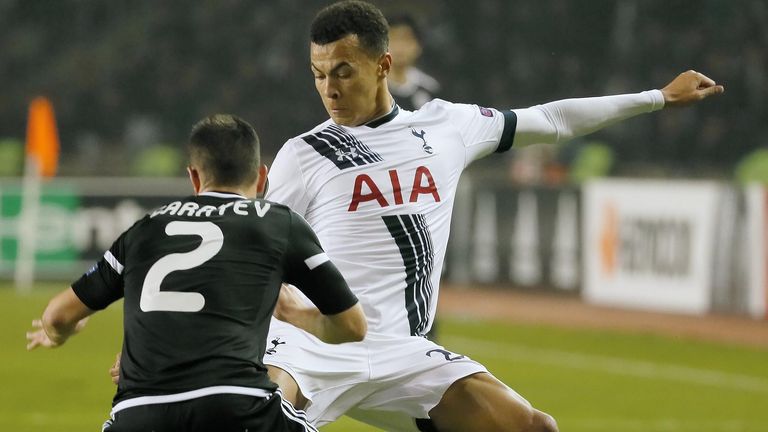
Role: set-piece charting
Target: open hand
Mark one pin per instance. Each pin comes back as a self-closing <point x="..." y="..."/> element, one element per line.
<point x="39" y="338"/>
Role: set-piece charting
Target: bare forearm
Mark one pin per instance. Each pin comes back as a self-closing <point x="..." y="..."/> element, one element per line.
<point x="62" y="317"/>
<point x="58" y="331"/>
<point x="308" y="319"/>
<point x="332" y="329"/>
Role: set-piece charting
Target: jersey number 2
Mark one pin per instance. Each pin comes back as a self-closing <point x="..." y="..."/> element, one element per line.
<point x="152" y="299"/>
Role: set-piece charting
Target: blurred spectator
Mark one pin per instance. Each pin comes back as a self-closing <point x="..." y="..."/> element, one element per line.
<point x="105" y="65"/>
<point x="159" y="161"/>
<point x="753" y="167"/>
<point x="11" y="157"/>
<point x="592" y="159"/>
<point x="409" y="85"/>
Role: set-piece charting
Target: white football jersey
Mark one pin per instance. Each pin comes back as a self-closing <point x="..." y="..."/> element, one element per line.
<point x="380" y="196"/>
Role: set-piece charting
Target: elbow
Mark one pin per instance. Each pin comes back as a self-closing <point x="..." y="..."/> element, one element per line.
<point x="350" y="326"/>
<point x="355" y="335"/>
<point x="358" y="326"/>
<point x="359" y="330"/>
<point x="354" y="331"/>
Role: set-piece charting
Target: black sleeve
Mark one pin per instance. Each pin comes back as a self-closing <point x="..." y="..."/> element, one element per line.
<point x="508" y="133"/>
<point x="309" y="269"/>
<point x="103" y="283"/>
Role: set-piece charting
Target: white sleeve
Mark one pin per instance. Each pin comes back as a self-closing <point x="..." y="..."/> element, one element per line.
<point x="482" y="130"/>
<point x="286" y="180"/>
<point x="560" y="121"/>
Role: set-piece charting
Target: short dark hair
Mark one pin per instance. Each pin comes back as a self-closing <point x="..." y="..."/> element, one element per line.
<point x="226" y="148"/>
<point x="352" y="17"/>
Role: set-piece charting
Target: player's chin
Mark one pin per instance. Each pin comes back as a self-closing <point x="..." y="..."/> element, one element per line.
<point x="341" y="119"/>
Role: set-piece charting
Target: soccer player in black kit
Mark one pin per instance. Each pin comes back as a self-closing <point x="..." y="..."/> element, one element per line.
<point x="201" y="277"/>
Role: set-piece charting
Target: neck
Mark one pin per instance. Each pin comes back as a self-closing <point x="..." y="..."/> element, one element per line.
<point x="224" y="189"/>
<point x="384" y="103"/>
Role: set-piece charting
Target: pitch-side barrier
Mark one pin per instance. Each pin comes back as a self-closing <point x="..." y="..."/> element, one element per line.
<point x="678" y="246"/>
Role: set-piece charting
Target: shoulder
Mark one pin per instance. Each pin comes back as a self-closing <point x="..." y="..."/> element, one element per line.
<point x="439" y="107"/>
<point x="168" y="206"/>
<point x="456" y="109"/>
<point x="262" y="216"/>
<point x="278" y="216"/>
<point x="259" y="208"/>
<point x="280" y="209"/>
<point x="138" y="225"/>
<point x="436" y="105"/>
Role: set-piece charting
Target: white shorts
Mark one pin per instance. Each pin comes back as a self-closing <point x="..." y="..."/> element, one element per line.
<point x="406" y="375"/>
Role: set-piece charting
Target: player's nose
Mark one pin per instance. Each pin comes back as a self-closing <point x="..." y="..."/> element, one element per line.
<point x="330" y="90"/>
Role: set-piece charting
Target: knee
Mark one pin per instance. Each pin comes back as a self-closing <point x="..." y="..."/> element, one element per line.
<point x="536" y="421"/>
<point x="543" y="422"/>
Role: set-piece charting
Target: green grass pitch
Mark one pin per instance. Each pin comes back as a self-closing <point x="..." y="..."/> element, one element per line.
<point x="589" y="380"/>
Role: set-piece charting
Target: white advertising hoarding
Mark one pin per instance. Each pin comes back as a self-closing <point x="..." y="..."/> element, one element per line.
<point x="757" y="250"/>
<point x="649" y="244"/>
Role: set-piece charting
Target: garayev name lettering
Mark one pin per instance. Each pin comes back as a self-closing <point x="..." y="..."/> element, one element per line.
<point x="190" y="208"/>
<point x="366" y="189"/>
<point x="656" y="246"/>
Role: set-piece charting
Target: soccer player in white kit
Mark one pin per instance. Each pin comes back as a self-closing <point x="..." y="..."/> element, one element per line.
<point x="377" y="185"/>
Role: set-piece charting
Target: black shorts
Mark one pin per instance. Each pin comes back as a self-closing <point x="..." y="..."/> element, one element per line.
<point x="214" y="413"/>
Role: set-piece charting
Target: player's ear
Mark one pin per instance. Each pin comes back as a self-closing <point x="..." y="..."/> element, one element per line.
<point x="194" y="177"/>
<point x="262" y="182"/>
<point x="385" y="64"/>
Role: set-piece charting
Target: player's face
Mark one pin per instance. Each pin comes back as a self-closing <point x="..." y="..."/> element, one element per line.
<point x="350" y="81"/>
<point x="404" y="45"/>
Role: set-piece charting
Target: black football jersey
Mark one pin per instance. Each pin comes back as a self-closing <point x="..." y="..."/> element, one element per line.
<point x="200" y="277"/>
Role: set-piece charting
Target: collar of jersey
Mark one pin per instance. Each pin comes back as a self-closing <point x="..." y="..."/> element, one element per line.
<point x="222" y="195"/>
<point x="385" y="118"/>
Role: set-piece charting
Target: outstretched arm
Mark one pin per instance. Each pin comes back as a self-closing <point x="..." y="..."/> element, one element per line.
<point x="560" y="121"/>
<point x="64" y="316"/>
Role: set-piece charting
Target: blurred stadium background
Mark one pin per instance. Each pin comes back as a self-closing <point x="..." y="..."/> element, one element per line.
<point x="665" y="216"/>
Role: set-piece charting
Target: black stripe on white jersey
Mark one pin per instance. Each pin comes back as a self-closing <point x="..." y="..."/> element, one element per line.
<point x="412" y="237"/>
<point x="341" y="148"/>
<point x="369" y="155"/>
<point x="326" y="149"/>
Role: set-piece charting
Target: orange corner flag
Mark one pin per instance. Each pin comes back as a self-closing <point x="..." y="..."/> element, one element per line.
<point x="42" y="136"/>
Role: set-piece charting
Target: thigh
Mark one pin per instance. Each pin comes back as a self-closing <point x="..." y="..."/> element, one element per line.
<point x="413" y="374"/>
